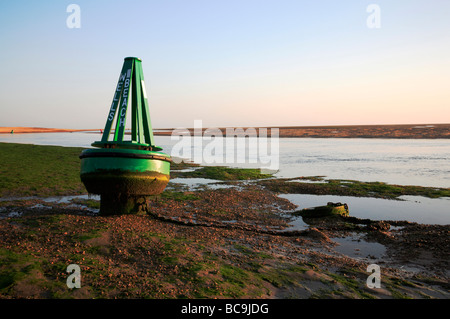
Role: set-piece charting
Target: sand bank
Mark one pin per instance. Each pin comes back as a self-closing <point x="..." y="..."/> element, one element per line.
<point x="414" y="131"/>
<point x="20" y="129"/>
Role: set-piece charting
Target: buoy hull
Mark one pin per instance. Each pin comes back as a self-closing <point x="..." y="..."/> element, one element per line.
<point x="124" y="175"/>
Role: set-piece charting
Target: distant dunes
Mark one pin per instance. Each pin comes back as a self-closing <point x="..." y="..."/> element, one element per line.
<point x="19" y="129"/>
<point x="413" y="131"/>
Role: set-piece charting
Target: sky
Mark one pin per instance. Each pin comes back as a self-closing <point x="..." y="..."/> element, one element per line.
<point x="228" y="63"/>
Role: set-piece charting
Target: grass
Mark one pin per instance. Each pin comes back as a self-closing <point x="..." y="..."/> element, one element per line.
<point x="352" y="188"/>
<point x="224" y="173"/>
<point x="34" y="170"/>
<point x="284" y="276"/>
<point x="10" y="275"/>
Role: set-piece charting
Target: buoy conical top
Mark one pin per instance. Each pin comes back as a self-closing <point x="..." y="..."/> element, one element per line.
<point x="130" y="85"/>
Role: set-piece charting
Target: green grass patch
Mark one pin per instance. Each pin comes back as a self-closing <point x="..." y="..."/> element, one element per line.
<point x="224" y="173"/>
<point x="234" y="275"/>
<point x="182" y="165"/>
<point x="15" y="267"/>
<point x="352" y="188"/>
<point x="354" y="282"/>
<point x="35" y="170"/>
<point x="91" y="203"/>
<point x="283" y="276"/>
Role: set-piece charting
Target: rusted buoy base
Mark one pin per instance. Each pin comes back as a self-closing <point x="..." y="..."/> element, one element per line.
<point x="119" y="204"/>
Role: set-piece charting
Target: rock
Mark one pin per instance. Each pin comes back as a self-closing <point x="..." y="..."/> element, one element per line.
<point x="331" y="209"/>
<point x="316" y="234"/>
<point x="380" y="225"/>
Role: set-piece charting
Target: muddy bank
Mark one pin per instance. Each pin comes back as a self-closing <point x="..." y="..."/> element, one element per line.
<point x="221" y="243"/>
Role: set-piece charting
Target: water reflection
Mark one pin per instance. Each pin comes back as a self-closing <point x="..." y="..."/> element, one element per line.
<point x="412" y="208"/>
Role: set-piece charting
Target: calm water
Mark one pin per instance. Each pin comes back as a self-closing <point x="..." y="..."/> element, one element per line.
<point x="412" y="208"/>
<point x="394" y="161"/>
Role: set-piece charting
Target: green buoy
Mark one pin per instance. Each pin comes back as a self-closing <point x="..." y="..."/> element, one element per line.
<point x="125" y="173"/>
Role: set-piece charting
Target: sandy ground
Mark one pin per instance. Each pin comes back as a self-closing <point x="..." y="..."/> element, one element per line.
<point x="19" y="130"/>
<point x="348" y="131"/>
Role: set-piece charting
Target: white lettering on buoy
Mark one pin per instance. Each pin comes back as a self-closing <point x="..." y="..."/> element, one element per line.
<point x="112" y="110"/>
<point x="123" y="110"/>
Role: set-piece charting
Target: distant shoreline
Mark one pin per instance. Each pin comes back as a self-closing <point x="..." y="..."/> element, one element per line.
<point x="23" y="130"/>
<point x="407" y="131"/>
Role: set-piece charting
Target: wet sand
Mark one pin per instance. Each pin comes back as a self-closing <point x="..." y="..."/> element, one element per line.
<point x="235" y="242"/>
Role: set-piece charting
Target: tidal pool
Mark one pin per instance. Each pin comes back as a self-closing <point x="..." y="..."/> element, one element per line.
<point x="417" y="209"/>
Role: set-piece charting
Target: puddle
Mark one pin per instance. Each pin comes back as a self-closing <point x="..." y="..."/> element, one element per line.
<point x="68" y="199"/>
<point x="51" y="200"/>
<point x="417" y="209"/>
<point x="307" y="181"/>
<point x="40" y="206"/>
<point x="6" y="199"/>
<point x="10" y="214"/>
<point x="186" y="170"/>
<point x="196" y="183"/>
<point x="355" y="246"/>
<point x="296" y="223"/>
<point x="14" y="214"/>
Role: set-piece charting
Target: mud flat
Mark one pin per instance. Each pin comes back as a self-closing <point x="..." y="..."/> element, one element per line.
<point x="224" y="243"/>
<point x="234" y="241"/>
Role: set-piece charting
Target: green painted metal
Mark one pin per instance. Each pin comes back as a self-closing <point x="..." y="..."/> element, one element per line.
<point x="124" y="172"/>
<point x="130" y="83"/>
<point x="126" y="69"/>
<point x="124" y="159"/>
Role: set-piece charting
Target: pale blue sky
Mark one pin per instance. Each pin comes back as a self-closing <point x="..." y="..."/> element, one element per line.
<point x="228" y="63"/>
